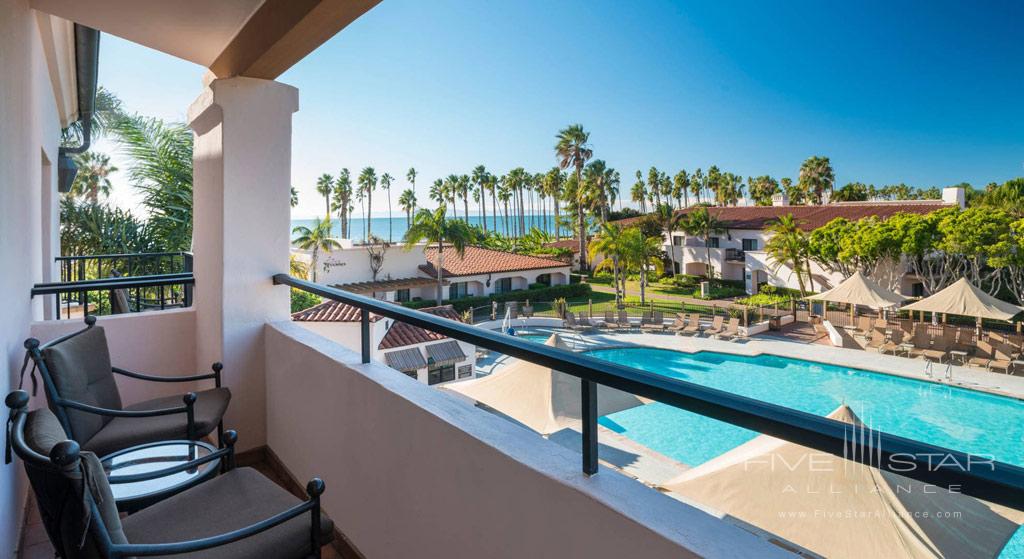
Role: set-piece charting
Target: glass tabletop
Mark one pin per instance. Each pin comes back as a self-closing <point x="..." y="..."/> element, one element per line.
<point x="155" y="457"/>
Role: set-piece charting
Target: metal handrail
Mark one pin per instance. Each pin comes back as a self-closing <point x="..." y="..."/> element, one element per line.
<point x="121" y="255"/>
<point x="127" y="282"/>
<point x="973" y="475"/>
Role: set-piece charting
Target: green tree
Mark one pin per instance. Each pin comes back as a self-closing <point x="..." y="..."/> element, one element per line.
<point x="681" y="189"/>
<point x="762" y="189"/>
<point x="480" y="175"/>
<point x="367" y="184"/>
<point x="794" y="192"/>
<point x="852" y="192"/>
<point x="572" y="148"/>
<point x="317" y="238"/>
<point x="825" y="246"/>
<point x="976" y="234"/>
<point x="700" y="223"/>
<point x="552" y="184"/>
<point x="294" y="196"/>
<point x="93" y="176"/>
<point x="608" y="243"/>
<point x="434" y="228"/>
<point x="816" y="178"/>
<point x="638" y="193"/>
<point x="385" y="183"/>
<point x="789" y="247"/>
<point x="641" y="254"/>
<point x="343" y="201"/>
<point x="94" y="228"/>
<point x="601" y="188"/>
<point x="668" y="220"/>
<point x="324" y="187"/>
<point x="697" y="183"/>
<point x="407" y="201"/>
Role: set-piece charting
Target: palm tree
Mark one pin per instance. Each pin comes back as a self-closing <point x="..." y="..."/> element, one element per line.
<point x="653" y="181"/>
<point x="294" y="196"/>
<point x="552" y="185"/>
<point x="638" y="193"/>
<point x="324" y="187"/>
<point x="681" y="189"/>
<point x="93" y="176"/>
<point x="315" y="238"/>
<point x="433" y="227"/>
<point x="492" y="184"/>
<point x="641" y="254"/>
<point x="601" y="185"/>
<point x="789" y="246"/>
<point x="437" y="192"/>
<point x="515" y="180"/>
<point x="762" y="189"/>
<point x="297" y="268"/>
<point x="385" y="183"/>
<point x="504" y="195"/>
<point x="667" y="219"/>
<point x="700" y="223"/>
<point x="410" y="176"/>
<point x="573" y="150"/>
<point x="407" y="201"/>
<point x="451" y="192"/>
<point x="480" y="180"/>
<point x="343" y="201"/>
<point x="816" y="178"/>
<point x="463" y="189"/>
<point x="367" y="184"/>
<point x="697" y="183"/>
<point x="608" y="243"/>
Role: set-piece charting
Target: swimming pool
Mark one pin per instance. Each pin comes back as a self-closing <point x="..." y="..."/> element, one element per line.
<point x="946" y="416"/>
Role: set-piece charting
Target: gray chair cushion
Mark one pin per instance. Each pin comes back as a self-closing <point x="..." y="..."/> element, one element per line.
<point x="43" y="431"/>
<point x="124" y="432"/>
<point x="234" y="500"/>
<point x="81" y="371"/>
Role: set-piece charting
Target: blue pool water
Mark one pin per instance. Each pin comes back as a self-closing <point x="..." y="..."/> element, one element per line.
<point x="947" y="416"/>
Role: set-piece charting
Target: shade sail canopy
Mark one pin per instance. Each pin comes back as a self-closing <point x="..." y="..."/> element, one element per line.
<point x="839" y="508"/>
<point x="445" y="353"/>
<point x="859" y="289"/>
<point x="409" y="359"/>
<point x="543" y="399"/>
<point x="963" y="298"/>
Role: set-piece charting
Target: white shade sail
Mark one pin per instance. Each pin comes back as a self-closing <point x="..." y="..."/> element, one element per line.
<point x="963" y="298"/>
<point x="859" y="289"/>
<point x="541" y="398"/>
<point x="844" y="509"/>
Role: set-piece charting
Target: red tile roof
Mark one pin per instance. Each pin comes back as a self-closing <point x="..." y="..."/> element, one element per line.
<point x="809" y="217"/>
<point x="479" y="260"/>
<point x="571" y="244"/>
<point x="403" y="334"/>
<point x="331" y="311"/>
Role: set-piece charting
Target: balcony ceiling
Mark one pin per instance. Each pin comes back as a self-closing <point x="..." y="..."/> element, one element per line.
<point x="254" y="38"/>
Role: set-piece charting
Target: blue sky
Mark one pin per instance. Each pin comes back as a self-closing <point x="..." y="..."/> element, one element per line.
<point x="926" y="93"/>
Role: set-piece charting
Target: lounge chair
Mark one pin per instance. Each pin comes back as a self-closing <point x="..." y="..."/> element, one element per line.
<point x="877" y="339"/>
<point x="679" y="323"/>
<point x="802" y="316"/>
<point x="655" y="323"/>
<point x="964" y="339"/>
<point x="694" y="325"/>
<point x="922" y="342"/>
<point x="863" y="327"/>
<point x="609" y="320"/>
<point x="984" y="353"/>
<point x="716" y="327"/>
<point x="78" y="379"/>
<point x="624" y="319"/>
<point x="1004" y="357"/>
<point x="645" y="319"/>
<point x="239" y="513"/>
<point x="528" y="311"/>
<point x="893" y="345"/>
<point x="732" y="330"/>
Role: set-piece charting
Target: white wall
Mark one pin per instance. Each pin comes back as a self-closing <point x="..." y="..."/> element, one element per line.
<point x="29" y="131"/>
<point x="156" y="342"/>
<point x="353" y="265"/>
<point x="411" y="471"/>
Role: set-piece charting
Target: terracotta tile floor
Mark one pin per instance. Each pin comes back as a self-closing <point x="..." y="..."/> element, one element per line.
<point x="36" y="545"/>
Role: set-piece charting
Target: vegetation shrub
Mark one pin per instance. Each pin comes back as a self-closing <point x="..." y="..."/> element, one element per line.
<point x="302" y="300"/>
<point x="570" y="291"/>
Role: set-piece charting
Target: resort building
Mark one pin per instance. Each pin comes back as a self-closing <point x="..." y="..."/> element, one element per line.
<point x="421" y="354"/>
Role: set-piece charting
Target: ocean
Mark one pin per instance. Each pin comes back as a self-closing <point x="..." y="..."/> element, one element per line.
<point x="380" y="228"/>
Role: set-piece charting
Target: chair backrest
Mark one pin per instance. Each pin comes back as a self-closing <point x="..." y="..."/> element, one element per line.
<point x="659" y="317"/>
<point x="803" y="316"/>
<point x="71" y="489"/>
<point x="985" y="349"/>
<point x="78" y="368"/>
<point x="694" y="319"/>
<point x="608" y="317"/>
<point x="1004" y="351"/>
<point x="864" y="324"/>
<point x="716" y="323"/>
<point x="623" y="317"/>
<point x="922" y="339"/>
<point x="734" y="325"/>
<point x="897" y="336"/>
<point x="570" y="318"/>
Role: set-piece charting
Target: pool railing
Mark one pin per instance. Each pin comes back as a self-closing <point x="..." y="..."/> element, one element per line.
<point x="973" y="475"/>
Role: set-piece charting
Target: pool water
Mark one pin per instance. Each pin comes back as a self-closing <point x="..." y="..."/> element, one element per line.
<point x="946" y="416"/>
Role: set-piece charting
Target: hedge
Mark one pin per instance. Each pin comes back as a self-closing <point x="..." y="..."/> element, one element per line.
<point x="568" y="291"/>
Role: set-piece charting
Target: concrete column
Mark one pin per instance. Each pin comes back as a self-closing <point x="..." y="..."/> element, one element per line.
<point x="242" y="173"/>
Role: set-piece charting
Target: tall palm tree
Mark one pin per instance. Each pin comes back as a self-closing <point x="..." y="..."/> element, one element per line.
<point x="385" y="183"/>
<point x="668" y="219"/>
<point x="697" y="183"/>
<point x="324" y="187"/>
<point x="410" y="176"/>
<point x="515" y="181"/>
<point x="608" y="243"/>
<point x="654" y="184"/>
<point x="433" y="227"/>
<point x="816" y="178"/>
<point x="552" y="184"/>
<point x="317" y="238"/>
<point x="492" y="184"/>
<point x="294" y="194"/>
<point x="437" y="192"/>
<point x="451" y="192"/>
<point x="463" y="188"/>
<point x="601" y="182"/>
<point x="504" y="195"/>
<point x="480" y="180"/>
<point x="572" y="149"/>
<point x="93" y="176"/>
<point x="638" y="193"/>
<point x="407" y="201"/>
<point x="700" y="223"/>
<point x="789" y="247"/>
<point x="343" y="201"/>
<point x="367" y="184"/>
<point x="681" y="189"/>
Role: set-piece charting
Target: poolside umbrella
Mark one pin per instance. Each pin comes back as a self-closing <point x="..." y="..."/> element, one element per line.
<point x="839" y="508"/>
<point x="963" y="298"/>
<point x="541" y="398"/>
<point x="859" y="289"/>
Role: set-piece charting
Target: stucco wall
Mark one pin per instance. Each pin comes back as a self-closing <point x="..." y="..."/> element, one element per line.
<point x="156" y="342"/>
<point x="411" y="471"/>
<point x="29" y="132"/>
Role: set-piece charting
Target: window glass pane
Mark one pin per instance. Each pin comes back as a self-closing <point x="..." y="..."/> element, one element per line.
<point x="402" y="295"/>
<point x="713" y="242"/>
<point x="749" y="244"/>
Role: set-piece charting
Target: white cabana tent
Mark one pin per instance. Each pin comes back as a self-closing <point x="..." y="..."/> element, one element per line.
<point x="859" y="289"/>
<point x="964" y="299"/>
<point x="541" y="398"/>
<point x="841" y="509"/>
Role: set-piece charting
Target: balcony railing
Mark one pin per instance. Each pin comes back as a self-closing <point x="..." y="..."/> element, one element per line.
<point x="120" y="283"/>
<point x="735" y="255"/>
<point x="973" y="475"/>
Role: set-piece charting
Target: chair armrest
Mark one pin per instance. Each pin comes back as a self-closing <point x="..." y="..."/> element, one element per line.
<point x="314" y="489"/>
<point x="154" y="378"/>
<point x="121" y="413"/>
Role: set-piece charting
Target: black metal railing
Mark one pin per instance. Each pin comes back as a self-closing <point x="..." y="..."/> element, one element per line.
<point x="119" y="283"/>
<point x="977" y="476"/>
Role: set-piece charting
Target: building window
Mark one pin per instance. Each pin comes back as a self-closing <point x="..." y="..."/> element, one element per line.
<point x="458" y="290"/>
<point x="402" y="295"/>
<point x="503" y="285"/>
<point x="917" y="290"/>
<point x="677" y="240"/>
<point x="545" y="279"/>
<point x="749" y="244"/>
<point x="713" y="242"/>
<point x="465" y="371"/>
<point x="443" y="373"/>
<point x="415" y="375"/>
